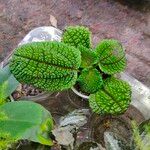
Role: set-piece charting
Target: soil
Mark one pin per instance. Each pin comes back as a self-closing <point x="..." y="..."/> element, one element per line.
<point x="26" y="91"/>
<point x="88" y="146"/>
<point x="77" y="101"/>
<point x="125" y="20"/>
<point x="61" y="103"/>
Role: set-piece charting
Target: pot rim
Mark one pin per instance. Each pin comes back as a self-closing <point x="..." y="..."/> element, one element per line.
<point x="79" y="93"/>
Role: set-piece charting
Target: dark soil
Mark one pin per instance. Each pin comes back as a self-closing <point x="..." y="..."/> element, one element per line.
<point x="25" y="91"/>
<point x="61" y="103"/>
<point x="87" y="146"/>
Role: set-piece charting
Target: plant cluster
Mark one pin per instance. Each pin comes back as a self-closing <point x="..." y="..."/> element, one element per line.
<point x="57" y="66"/>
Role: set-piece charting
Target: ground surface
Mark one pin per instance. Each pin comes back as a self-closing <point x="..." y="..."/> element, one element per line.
<point x="129" y="23"/>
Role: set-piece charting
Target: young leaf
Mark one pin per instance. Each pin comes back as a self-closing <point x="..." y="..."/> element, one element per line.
<point x="50" y="66"/>
<point x="8" y="83"/>
<point x="114" y="98"/>
<point x="88" y="57"/>
<point x="141" y="135"/>
<point x="111" y="56"/>
<point x="76" y="36"/>
<point x="26" y="120"/>
<point x="90" y="80"/>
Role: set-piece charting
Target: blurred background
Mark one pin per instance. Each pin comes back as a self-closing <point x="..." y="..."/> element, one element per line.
<point x="125" y="20"/>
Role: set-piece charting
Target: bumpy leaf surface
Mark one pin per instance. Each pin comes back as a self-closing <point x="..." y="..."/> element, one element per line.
<point x="76" y="36"/>
<point x="26" y="120"/>
<point x="114" y="98"/>
<point x="88" y="57"/>
<point x="111" y="56"/>
<point x="90" y="80"/>
<point x="50" y="66"/>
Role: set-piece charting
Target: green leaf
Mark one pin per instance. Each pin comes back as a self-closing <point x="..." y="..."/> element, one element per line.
<point x="6" y="141"/>
<point x="8" y="83"/>
<point x="50" y="66"/>
<point x="111" y="56"/>
<point x="141" y="135"/>
<point x="88" y="57"/>
<point x="114" y="98"/>
<point x="76" y="36"/>
<point x="90" y="80"/>
<point x="26" y="120"/>
<point x="145" y="127"/>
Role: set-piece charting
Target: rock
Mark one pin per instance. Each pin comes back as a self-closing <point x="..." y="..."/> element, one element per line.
<point x="64" y="137"/>
<point x="68" y="127"/>
<point x="115" y="142"/>
<point x="77" y="118"/>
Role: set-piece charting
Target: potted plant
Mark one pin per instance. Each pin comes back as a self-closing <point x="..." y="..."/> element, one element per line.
<point x="73" y="63"/>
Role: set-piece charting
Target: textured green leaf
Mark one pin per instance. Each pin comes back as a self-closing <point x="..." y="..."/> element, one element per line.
<point x="88" y="57"/>
<point x="8" y="83"/>
<point x="50" y="66"/>
<point x="111" y="56"/>
<point x="26" y="120"/>
<point x="114" y="98"/>
<point x="90" y="80"/>
<point x="76" y="36"/>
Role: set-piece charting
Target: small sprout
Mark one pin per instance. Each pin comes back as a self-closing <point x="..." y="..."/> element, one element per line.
<point x="90" y="80"/>
<point x="88" y="57"/>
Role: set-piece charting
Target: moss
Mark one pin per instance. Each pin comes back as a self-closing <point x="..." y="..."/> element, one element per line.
<point x="6" y="142"/>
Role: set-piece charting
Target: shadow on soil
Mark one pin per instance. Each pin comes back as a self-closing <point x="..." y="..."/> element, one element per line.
<point x="141" y="5"/>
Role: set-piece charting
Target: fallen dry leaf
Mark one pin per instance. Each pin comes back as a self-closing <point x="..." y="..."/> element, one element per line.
<point x="63" y="136"/>
<point x="53" y="21"/>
